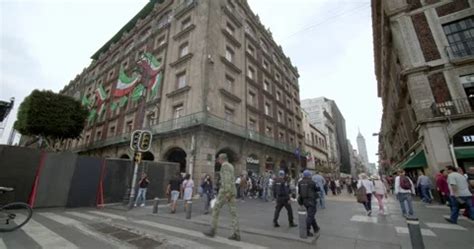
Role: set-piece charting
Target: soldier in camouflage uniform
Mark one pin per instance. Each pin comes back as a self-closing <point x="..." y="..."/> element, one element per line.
<point x="227" y="194"/>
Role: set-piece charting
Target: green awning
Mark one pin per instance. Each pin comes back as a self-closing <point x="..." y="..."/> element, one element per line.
<point x="416" y="161"/>
<point x="464" y="152"/>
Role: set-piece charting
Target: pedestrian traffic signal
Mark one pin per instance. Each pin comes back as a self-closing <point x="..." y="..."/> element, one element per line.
<point x="145" y="141"/>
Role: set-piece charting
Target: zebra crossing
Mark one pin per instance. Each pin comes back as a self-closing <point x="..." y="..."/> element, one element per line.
<point x="403" y="230"/>
<point x="57" y="230"/>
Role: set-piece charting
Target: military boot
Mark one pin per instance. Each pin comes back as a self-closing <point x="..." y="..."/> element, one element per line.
<point x="211" y="233"/>
<point x="235" y="237"/>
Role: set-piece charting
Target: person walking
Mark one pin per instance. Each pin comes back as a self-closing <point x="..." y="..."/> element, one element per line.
<point x="332" y="186"/>
<point x="424" y="184"/>
<point x="208" y="192"/>
<point x="380" y="193"/>
<point x="173" y="189"/>
<point x="308" y="193"/>
<point x="243" y="186"/>
<point x="442" y="187"/>
<point x="187" y="190"/>
<point x="281" y="192"/>
<point x="237" y="185"/>
<point x="354" y="185"/>
<point x="226" y="195"/>
<point x="142" y="187"/>
<point x="460" y="194"/>
<point x="320" y="182"/>
<point x="369" y="190"/>
<point x="404" y="189"/>
<point x="338" y="186"/>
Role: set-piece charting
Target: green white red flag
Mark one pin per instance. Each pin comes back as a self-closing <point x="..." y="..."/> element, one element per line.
<point x="101" y="94"/>
<point x="124" y="83"/>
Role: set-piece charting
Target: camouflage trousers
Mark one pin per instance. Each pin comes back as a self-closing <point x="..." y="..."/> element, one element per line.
<point x="220" y="201"/>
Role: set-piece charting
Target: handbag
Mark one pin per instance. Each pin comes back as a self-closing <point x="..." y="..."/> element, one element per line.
<point x="361" y="194"/>
<point x="213" y="202"/>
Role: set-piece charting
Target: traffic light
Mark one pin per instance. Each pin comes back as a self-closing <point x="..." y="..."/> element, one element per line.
<point x="135" y="140"/>
<point x="145" y="141"/>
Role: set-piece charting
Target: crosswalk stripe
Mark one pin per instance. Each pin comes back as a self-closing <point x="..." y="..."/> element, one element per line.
<point x="445" y="226"/>
<point x="2" y="244"/>
<point x="45" y="237"/>
<point x="113" y="216"/>
<point x="82" y="228"/>
<point x="199" y="235"/>
<point x="424" y="232"/>
<point x="82" y="215"/>
<point x="460" y="218"/>
<point x="361" y="218"/>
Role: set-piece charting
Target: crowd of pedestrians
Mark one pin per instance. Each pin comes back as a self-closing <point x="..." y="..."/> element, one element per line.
<point x="453" y="187"/>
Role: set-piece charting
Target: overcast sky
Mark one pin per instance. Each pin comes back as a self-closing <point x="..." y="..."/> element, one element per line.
<point x="45" y="43"/>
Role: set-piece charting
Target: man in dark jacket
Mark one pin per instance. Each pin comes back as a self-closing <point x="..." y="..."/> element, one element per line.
<point x="281" y="192"/>
<point x="308" y="193"/>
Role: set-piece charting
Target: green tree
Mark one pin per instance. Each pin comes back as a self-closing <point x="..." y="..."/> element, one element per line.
<point x="52" y="117"/>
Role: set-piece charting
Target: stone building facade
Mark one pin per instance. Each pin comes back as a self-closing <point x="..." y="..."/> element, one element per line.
<point x="325" y="115"/>
<point x="315" y="147"/>
<point x="424" y="64"/>
<point x="224" y="85"/>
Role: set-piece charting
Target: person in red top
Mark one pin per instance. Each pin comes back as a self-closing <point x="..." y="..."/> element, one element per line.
<point x="442" y="186"/>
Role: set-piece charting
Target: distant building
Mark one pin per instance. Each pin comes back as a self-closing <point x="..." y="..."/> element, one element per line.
<point x="316" y="147"/>
<point x="206" y="77"/>
<point x="325" y="115"/>
<point x="362" y="148"/>
<point x="424" y="65"/>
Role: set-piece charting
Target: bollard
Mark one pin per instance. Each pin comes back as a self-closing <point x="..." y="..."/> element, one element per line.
<point x="415" y="233"/>
<point x="302" y="222"/>
<point x="155" y="205"/>
<point x="189" y="209"/>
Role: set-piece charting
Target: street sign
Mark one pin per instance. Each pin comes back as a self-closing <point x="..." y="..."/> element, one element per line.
<point x="141" y="140"/>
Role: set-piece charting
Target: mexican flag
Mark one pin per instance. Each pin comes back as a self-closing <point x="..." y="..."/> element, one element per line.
<point x="92" y="115"/>
<point x="100" y="93"/>
<point x="150" y="64"/>
<point x="138" y="92"/>
<point x="101" y="110"/>
<point x="85" y="101"/>
<point x="113" y="106"/>
<point x="156" y="84"/>
<point x="124" y="83"/>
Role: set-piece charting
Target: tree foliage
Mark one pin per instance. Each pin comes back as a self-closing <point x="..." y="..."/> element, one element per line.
<point x="51" y="116"/>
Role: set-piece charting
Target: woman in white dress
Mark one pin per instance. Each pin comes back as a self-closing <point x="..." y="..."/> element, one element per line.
<point x="187" y="188"/>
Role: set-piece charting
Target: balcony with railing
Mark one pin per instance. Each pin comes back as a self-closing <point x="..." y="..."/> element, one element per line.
<point x="461" y="50"/>
<point x="449" y="109"/>
<point x="191" y="121"/>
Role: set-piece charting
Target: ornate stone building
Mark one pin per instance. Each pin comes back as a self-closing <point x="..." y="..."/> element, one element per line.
<point x="315" y="147"/>
<point x="424" y="64"/>
<point x="205" y="77"/>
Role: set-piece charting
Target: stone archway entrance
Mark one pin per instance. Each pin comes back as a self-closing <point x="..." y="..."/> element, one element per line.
<point x="177" y="155"/>
<point x="231" y="155"/>
<point x="124" y="156"/>
<point x="148" y="156"/>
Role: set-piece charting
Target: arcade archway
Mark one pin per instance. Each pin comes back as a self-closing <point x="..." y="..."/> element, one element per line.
<point x="148" y="156"/>
<point x="177" y="155"/>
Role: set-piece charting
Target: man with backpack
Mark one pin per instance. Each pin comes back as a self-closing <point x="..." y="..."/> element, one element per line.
<point x="308" y="193"/>
<point x="404" y="189"/>
<point x="281" y="192"/>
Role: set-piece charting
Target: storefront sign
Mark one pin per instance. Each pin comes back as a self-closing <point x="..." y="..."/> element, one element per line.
<point x="464" y="137"/>
<point x="252" y="160"/>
